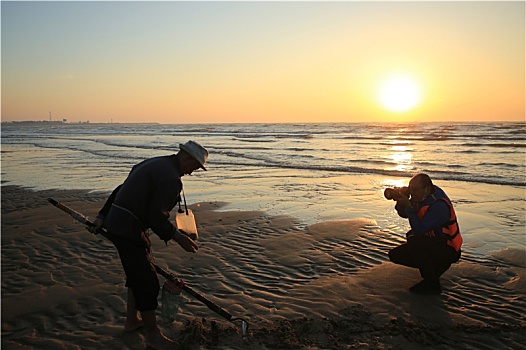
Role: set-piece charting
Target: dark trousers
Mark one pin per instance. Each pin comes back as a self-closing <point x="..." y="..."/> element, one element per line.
<point x="141" y="276"/>
<point x="429" y="255"/>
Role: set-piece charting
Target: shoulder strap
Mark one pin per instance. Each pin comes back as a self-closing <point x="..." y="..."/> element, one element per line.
<point x="185" y="207"/>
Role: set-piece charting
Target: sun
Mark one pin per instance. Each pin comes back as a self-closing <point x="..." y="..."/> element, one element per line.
<point x="400" y="93"/>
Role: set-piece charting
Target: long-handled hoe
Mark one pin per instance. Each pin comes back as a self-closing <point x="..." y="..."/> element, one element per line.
<point x="168" y="275"/>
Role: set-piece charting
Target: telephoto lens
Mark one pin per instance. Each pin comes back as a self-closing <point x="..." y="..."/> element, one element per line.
<point x="397" y="192"/>
<point x="390" y="193"/>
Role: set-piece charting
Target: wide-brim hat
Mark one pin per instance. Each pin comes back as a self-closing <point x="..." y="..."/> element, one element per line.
<point x="197" y="152"/>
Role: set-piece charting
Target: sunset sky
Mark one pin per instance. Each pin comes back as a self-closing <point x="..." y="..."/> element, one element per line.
<point x="219" y="62"/>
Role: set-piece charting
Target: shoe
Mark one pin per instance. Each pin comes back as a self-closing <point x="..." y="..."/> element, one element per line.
<point x="426" y="288"/>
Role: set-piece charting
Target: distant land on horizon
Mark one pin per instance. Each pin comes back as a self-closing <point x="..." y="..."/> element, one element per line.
<point x="65" y="122"/>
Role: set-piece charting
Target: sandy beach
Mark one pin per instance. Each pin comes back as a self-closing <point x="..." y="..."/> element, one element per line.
<point x="324" y="286"/>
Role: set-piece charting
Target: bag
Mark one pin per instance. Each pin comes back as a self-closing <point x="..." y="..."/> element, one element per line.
<point x="185" y="221"/>
<point x="171" y="300"/>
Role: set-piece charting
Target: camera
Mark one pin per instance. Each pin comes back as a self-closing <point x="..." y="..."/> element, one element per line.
<point x="397" y="192"/>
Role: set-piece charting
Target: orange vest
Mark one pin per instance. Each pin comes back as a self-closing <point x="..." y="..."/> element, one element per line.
<point x="450" y="229"/>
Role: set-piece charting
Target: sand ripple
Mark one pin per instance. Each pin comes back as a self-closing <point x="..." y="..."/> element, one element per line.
<point x="327" y="285"/>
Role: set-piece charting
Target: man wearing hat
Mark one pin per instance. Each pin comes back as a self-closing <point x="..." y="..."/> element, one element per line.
<point x="144" y="201"/>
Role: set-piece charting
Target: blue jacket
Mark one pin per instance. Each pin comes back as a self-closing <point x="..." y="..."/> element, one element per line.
<point x="145" y="199"/>
<point x="435" y="218"/>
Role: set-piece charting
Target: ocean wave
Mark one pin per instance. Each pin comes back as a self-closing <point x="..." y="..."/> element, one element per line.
<point x="500" y="164"/>
<point x="436" y="174"/>
<point x="252" y="140"/>
<point x="444" y="150"/>
<point x="496" y="145"/>
<point x="231" y="156"/>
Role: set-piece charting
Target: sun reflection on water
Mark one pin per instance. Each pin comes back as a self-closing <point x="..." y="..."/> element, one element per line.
<point x="402" y="157"/>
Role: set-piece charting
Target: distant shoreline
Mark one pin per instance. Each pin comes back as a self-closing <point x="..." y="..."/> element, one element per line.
<point x="58" y="122"/>
<point x="34" y="122"/>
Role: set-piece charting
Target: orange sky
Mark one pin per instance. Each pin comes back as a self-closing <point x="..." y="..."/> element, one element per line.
<point x="215" y="62"/>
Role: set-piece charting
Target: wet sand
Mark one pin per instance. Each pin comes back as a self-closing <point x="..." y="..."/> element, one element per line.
<point x="324" y="286"/>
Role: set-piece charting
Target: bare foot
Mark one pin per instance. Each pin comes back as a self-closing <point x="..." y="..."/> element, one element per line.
<point x="132" y="325"/>
<point x="159" y="341"/>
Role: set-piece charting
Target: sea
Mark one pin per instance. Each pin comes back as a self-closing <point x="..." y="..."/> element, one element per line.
<point x="312" y="172"/>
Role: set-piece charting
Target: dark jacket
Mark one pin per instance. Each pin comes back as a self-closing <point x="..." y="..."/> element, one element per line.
<point x="145" y="199"/>
<point x="435" y="218"/>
